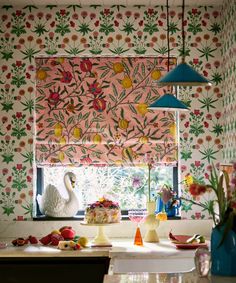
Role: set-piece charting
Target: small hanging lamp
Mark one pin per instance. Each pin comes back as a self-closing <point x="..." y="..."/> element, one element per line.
<point x="183" y="74"/>
<point x="168" y="101"/>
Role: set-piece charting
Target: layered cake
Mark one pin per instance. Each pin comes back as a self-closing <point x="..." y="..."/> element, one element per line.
<point x="103" y="211"/>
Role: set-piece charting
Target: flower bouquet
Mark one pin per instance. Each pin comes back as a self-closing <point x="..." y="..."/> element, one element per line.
<point x="222" y="207"/>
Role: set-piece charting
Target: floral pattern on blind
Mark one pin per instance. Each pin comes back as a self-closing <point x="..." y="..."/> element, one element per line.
<point x="95" y="111"/>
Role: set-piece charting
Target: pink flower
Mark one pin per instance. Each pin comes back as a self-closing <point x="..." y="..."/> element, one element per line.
<point x="19" y="166"/>
<point x="166" y="194"/>
<point x="197" y="163"/>
<point x="18" y="63"/>
<point x="18" y="115"/>
<point x="63" y="12"/>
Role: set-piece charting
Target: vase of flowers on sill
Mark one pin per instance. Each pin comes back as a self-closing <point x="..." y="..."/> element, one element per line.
<point x="167" y="202"/>
<point x="151" y="222"/>
<point x="223" y="212"/>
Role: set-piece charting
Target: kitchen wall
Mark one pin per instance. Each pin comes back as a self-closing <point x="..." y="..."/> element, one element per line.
<point x="26" y="32"/>
<point x="229" y="79"/>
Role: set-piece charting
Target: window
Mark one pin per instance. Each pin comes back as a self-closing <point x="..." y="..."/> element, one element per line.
<point x="127" y="185"/>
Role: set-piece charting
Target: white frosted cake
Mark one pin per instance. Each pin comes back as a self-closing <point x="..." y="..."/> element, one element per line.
<point x="103" y="211"/>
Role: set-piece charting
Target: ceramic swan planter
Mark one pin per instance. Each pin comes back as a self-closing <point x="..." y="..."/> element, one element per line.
<point x="52" y="204"/>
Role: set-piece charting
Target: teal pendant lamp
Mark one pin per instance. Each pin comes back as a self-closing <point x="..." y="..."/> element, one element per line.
<point x="168" y="102"/>
<point x="183" y="74"/>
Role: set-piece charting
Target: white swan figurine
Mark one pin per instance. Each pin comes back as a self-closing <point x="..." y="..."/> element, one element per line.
<point x="51" y="203"/>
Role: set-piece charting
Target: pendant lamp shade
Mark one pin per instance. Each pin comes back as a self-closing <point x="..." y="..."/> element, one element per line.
<point x="168" y="102"/>
<point x="183" y="74"/>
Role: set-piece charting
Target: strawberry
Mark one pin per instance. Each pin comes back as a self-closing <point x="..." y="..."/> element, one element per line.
<point x="55" y="239"/>
<point x="46" y="240"/>
<point x="33" y="240"/>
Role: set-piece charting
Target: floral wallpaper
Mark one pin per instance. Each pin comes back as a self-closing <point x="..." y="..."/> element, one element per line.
<point x="229" y="79"/>
<point x="94" y="111"/>
<point x="31" y="31"/>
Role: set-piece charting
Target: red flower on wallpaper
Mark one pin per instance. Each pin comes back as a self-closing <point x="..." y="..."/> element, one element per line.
<point x="95" y="89"/>
<point x="86" y="65"/>
<point x="99" y="104"/>
<point x="53" y="98"/>
<point x="66" y="77"/>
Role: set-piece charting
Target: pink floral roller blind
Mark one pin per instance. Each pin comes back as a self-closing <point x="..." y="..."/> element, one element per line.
<point x="94" y="111"/>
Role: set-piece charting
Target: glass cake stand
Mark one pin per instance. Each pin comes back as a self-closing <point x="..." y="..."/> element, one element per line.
<point x="101" y="239"/>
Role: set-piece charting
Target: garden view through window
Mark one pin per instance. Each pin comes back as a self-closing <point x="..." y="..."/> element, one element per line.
<point x="126" y="185"/>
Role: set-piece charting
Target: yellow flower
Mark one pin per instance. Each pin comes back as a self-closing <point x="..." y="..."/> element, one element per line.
<point x="77" y="133"/>
<point x="162" y="216"/>
<point x="155" y="75"/>
<point x="123" y="124"/>
<point x="58" y="130"/>
<point x="118" y="67"/>
<point x="41" y="75"/>
<point x="142" y="108"/>
<point x="188" y="180"/>
<point x="97" y="139"/>
<point x="126" y="82"/>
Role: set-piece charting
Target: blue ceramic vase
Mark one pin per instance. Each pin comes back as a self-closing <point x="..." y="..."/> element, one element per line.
<point x="171" y="211"/>
<point x="223" y="256"/>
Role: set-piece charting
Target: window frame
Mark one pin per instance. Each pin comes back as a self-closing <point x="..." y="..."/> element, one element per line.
<point x="80" y="214"/>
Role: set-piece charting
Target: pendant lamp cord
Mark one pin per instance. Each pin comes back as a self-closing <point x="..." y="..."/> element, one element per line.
<point x="183" y="34"/>
<point x="168" y="36"/>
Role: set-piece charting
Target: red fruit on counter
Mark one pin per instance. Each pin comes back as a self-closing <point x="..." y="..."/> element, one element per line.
<point x="33" y="240"/>
<point x="14" y="242"/>
<point x="46" y="240"/>
<point x="55" y="239"/>
<point x="20" y="242"/>
<point x="68" y="234"/>
<point x="65" y="227"/>
<point x="77" y="247"/>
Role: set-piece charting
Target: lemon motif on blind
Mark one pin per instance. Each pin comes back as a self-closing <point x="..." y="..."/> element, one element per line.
<point x="173" y="130"/>
<point x="144" y="139"/>
<point x="77" y="132"/>
<point x="142" y="108"/>
<point x="118" y="67"/>
<point x="123" y="124"/>
<point x="58" y="130"/>
<point x="61" y="156"/>
<point x="128" y="153"/>
<point x="62" y="141"/>
<point x="126" y="82"/>
<point x="97" y="139"/>
<point x="155" y="75"/>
